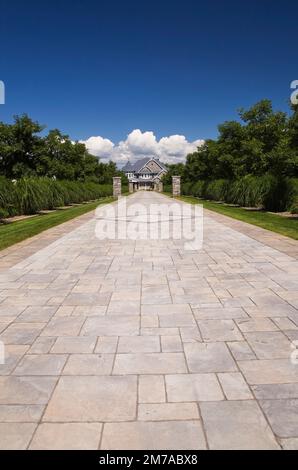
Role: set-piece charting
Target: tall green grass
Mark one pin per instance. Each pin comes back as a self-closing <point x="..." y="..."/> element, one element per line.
<point x="266" y="192"/>
<point x="31" y="195"/>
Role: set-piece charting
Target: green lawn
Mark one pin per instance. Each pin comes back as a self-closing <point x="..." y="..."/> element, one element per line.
<point x="275" y="223"/>
<point x="17" y="231"/>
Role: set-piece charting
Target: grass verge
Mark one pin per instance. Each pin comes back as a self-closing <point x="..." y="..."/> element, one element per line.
<point x="275" y="223"/>
<point x="19" y="231"/>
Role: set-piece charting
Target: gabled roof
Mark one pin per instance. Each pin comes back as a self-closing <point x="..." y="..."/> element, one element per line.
<point x="145" y="170"/>
<point x="139" y="164"/>
<point x="127" y="166"/>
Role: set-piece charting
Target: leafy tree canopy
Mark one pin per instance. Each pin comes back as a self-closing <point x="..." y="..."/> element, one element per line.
<point x="263" y="142"/>
<point x="23" y="152"/>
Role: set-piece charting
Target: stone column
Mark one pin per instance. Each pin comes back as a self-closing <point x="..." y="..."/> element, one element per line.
<point x="116" y="186"/>
<point x="160" y="187"/>
<point x="176" y="185"/>
<point x="130" y="187"/>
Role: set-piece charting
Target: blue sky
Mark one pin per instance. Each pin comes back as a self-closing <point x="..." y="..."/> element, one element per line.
<point x="105" y="68"/>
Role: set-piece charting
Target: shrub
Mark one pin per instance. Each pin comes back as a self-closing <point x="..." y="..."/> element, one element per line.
<point x="267" y="192"/>
<point x="167" y="188"/>
<point x="217" y="190"/>
<point x="186" y="188"/>
<point x="293" y="202"/>
<point x="30" y="195"/>
<point x="7" y="201"/>
<point x="199" y="188"/>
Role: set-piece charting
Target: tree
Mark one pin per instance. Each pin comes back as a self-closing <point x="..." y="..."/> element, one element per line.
<point x="19" y="146"/>
<point x="174" y="169"/>
<point x="23" y="152"/>
<point x="264" y="142"/>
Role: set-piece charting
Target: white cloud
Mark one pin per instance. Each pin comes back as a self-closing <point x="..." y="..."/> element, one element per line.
<point x="171" y="149"/>
<point x="143" y="143"/>
<point x="99" y="146"/>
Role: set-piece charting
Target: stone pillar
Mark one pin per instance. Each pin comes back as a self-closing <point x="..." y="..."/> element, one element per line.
<point x="116" y="186"/>
<point x="176" y="185"/>
<point x="160" y="187"/>
<point x="130" y="187"/>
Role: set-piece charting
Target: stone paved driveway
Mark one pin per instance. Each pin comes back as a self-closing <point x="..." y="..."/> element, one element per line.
<point x="143" y="345"/>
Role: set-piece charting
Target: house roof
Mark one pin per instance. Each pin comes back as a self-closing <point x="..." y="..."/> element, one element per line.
<point x="127" y="166"/>
<point x="139" y="164"/>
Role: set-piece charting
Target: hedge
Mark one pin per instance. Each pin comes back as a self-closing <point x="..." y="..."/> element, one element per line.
<point x="31" y="195"/>
<point x="266" y="192"/>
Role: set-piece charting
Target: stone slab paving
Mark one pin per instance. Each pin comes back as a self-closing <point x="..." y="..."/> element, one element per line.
<point x="141" y="344"/>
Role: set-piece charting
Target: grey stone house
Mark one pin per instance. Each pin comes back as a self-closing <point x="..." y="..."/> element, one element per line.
<point x="145" y="173"/>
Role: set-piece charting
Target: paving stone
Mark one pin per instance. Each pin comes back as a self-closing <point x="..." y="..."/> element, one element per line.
<point x="176" y="320"/>
<point x="138" y="344"/>
<point x="269" y="371"/>
<point x="93" y="398"/>
<point x="89" y="364"/>
<point x="190" y="334"/>
<point x="155" y="294"/>
<point x="256" y="324"/>
<point x="241" y="350"/>
<point x="36" y="314"/>
<point x="65" y="311"/>
<point x="42" y="345"/>
<point x="289" y="444"/>
<point x="270" y="311"/>
<point x="63" y="326"/>
<point x="220" y="313"/>
<point x="235" y="425"/>
<point x="293" y="336"/>
<point x="149" y="363"/>
<point x="193" y="387"/>
<point x="111" y="325"/>
<point x="269" y="345"/>
<point x="4" y="324"/>
<point x="125" y="308"/>
<point x="276" y="391"/>
<point x="26" y="390"/>
<point x="15" y="436"/>
<point x="171" y="344"/>
<point x="106" y="344"/>
<point x="282" y="416"/>
<point x="21" y="333"/>
<point x="12" y="355"/>
<point x="75" y="344"/>
<point x="87" y="299"/>
<point x="219" y="330"/>
<point x="20" y="413"/>
<point x="41" y="364"/>
<point x="67" y="436"/>
<point x="285" y="323"/>
<point x="209" y="357"/>
<point x="167" y="435"/>
<point x="88" y="310"/>
<point x="234" y="386"/>
<point x="149" y="321"/>
<point x="159" y="331"/>
<point x="151" y="389"/>
<point x="167" y="411"/>
<point x="168" y="309"/>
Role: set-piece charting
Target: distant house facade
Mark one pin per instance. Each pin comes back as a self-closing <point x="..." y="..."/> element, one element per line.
<point x="145" y="173"/>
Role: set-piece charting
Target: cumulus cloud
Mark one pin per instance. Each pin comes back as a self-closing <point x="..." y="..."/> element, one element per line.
<point x="99" y="146"/>
<point x="138" y="144"/>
